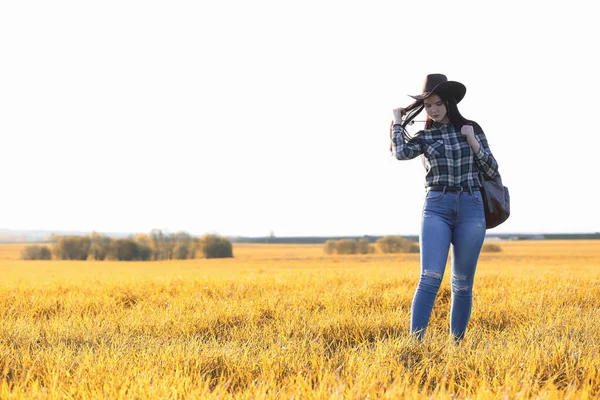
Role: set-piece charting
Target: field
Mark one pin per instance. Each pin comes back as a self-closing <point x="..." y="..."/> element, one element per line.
<point x="286" y="321"/>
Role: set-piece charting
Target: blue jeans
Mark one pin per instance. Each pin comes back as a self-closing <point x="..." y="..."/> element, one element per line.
<point x="455" y="218"/>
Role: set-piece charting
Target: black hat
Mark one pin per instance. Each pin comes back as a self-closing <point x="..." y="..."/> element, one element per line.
<point x="438" y="83"/>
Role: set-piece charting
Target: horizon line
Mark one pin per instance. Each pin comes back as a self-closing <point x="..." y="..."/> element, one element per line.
<point x="50" y="231"/>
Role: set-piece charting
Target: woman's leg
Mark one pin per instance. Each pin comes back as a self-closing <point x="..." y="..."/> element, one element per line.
<point x="435" y="239"/>
<point x="467" y="239"/>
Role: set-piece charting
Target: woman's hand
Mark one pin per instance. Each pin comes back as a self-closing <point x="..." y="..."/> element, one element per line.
<point x="467" y="130"/>
<point x="469" y="133"/>
<point x="398" y="114"/>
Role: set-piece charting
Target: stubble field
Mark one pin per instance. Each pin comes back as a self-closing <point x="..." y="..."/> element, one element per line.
<point x="286" y="321"/>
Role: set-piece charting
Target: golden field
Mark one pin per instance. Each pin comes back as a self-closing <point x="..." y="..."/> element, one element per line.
<point x="286" y="321"/>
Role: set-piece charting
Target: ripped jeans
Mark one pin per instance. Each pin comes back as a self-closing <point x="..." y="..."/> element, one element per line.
<point x="455" y="218"/>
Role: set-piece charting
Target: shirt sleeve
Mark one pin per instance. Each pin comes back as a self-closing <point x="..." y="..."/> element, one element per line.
<point x="404" y="150"/>
<point x="484" y="159"/>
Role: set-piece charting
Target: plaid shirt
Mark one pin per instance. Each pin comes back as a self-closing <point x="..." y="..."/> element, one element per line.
<point x="446" y="155"/>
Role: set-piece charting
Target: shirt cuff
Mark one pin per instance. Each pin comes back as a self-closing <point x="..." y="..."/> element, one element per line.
<point x="480" y="154"/>
<point x="397" y="130"/>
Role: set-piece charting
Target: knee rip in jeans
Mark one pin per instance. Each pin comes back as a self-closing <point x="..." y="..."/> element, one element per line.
<point x="458" y="283"/>
<point x="432" y="274"/>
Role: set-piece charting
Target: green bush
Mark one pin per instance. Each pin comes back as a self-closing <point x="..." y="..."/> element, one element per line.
<point x="36" y="252"/>
<point x="491" y="248"/>
<point x="215" y="246"/>
<point x="414" y="248"/>
<point x="181" y="252"/>
<point x="395" y="244"/>
<point x="346" y="246"/>
<point x="130" y="250"/>
<point x="363" y="246"/>
<point x="185" y="246"/>
<point x="101" y="246"/>
<point x="72" y="248"/>
<point x="330" y="247"/>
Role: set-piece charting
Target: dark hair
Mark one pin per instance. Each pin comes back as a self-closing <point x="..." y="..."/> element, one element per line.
<point x="454" y="115"/>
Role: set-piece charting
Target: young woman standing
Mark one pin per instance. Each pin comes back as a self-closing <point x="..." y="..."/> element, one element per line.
<point x="454" y="150"/>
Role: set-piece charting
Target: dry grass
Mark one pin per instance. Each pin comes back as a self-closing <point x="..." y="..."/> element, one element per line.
<point x="282" y="321"/>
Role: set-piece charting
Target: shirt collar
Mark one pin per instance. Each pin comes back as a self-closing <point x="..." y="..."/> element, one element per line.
<point x="439" y="125"/>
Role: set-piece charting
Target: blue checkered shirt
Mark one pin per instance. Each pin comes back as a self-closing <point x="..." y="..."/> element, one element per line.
<point x="446" y="155"/>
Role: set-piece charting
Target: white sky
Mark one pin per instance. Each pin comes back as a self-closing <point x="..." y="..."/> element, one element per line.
<point x="245" y="117"/>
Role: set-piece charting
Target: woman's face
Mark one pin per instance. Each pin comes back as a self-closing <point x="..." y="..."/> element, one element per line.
<point x="436" y="109"/>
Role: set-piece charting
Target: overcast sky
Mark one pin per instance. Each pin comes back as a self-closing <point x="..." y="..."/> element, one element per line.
<point x="246" y="117"/>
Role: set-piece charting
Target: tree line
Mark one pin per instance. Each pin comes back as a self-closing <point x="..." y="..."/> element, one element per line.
<point x="386" y="244"/>
<point x="143" y="247"/>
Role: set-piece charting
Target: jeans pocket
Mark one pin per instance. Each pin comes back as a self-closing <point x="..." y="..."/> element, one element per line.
<point x="434" y="196"/>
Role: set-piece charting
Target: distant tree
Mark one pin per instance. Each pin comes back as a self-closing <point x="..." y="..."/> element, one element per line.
<point x="346" y="246"/>
<point x="491" y="248"/>
<point x="185" y="246"/>
<point x="394" y="244"/>
<point x="181" y="252"/>
<point x="36" y="252"/>
<point x="362" y="246"/>
<point x="414" y="248"/>
<point x="181" y="246"/>
<point x="124" y="250"/>
<point x="130" y="250"/>
<point x="215" y="246"/>
<point x="72" y="248"/>
<point x="158" y="244"/>
<point x="144" y="252"/>
<point x="144" y="239"/>
<point x="163" y="245"/>
<point x="100" y="247"/>
<point x="169" y="246"/>
<point x="330" y="247"/>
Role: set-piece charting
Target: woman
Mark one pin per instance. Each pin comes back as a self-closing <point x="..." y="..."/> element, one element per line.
<point x="454" y="150"/>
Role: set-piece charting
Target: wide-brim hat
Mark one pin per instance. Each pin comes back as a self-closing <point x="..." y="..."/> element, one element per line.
<point x="438" y="83"/>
